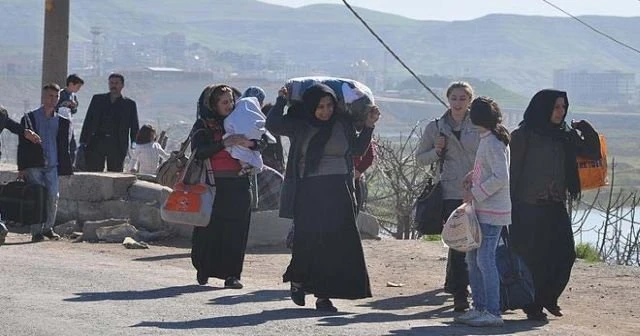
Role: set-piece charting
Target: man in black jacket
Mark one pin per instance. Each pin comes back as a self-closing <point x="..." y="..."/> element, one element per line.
<point x="111" y="121"/>
<point x="14" y="127"/>
<point x="42" y="163"/>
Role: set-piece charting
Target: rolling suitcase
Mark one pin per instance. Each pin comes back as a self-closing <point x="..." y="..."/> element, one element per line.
<point x="23" y="203"/>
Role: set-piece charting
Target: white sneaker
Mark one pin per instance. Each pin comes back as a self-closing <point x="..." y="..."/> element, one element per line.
<point x="469" y="315"/>
<point x="486" y="319"/>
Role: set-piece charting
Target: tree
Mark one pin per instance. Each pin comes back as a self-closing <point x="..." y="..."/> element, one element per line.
<point x="396" y="182"/>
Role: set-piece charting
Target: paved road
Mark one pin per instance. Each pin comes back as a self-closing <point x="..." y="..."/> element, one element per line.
<point x="61" y="288"/>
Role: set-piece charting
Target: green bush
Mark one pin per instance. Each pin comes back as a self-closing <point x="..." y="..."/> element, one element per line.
<point x="431" y="237"/>
<point x="587" y="252"/>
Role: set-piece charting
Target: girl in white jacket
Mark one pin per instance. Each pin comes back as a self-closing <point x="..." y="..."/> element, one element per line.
<point x="145" y="158"/>
<point x="487" y="187"/>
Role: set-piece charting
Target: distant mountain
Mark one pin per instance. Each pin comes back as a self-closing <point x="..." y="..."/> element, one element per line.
<point x="518" y="52"/>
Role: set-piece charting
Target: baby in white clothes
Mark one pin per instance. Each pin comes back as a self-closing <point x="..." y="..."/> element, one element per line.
<point x="247" y="119"/>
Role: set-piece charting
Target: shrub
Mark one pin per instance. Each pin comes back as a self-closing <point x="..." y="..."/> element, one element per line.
<point x="587" y="252"/>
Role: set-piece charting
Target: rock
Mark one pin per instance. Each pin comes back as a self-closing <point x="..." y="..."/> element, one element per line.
<point x="130" y="243"/>
<point x="116" y="233"/>
<point x="89" y="228"/>
<point x="77" y="237"/>
<point x="368" y="226"/>
<point x="67" y="228"/>
<point x="394" y="284"/>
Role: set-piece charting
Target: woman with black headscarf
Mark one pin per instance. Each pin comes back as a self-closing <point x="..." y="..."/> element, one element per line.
<point x="543" y="173"/>
<point x="318" y="194"/>
<point x="218" y="249"/>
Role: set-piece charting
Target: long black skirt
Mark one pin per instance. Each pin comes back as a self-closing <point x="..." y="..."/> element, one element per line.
<point x="327" y="257"/>
<point x="542" y="235"/>
<point x="218" y="249"/>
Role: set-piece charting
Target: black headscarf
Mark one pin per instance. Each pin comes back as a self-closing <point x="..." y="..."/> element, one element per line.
<point x="310" y="100"/>
<point x="537" y="118"/>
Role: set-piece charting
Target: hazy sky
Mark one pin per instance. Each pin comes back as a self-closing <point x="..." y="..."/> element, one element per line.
<point x="469" y="9"/>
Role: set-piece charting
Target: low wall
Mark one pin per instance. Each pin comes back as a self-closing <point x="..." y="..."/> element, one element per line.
<point x="97" y="196"/>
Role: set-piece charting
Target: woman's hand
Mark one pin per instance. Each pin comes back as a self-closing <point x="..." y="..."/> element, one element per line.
<point x="372" y="117"/>
<point x="441" y="143"/>
<point x="467" y="183"/>
<point x="238" y="140"/>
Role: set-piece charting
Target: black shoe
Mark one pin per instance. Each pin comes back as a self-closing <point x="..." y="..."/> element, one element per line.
<point x="36" y="238"/>
<point x="202" y="278"/>
<point x="460" y="304"/>
<point x="232" y="283"/>
<point x="51" y="235"/>
<point x="538" y="316"/>
<point x="297" y="295"/>
<point x="325" y="305"/>
<point x="554" y="310"/>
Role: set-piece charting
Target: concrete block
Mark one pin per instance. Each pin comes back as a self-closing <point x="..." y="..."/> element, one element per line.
<point x="368" y="226"/>
<point x="267" y="229"/>
<point x="102" y="210"/>
<point x="148" y="192"/>
<point x="145" y="215"/>
<point x="95" y="187"/>
<point x="67" y="210"/>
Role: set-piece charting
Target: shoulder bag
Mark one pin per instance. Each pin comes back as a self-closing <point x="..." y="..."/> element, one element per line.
<point x="516" y="283"/>
<point x="191" y="200"/>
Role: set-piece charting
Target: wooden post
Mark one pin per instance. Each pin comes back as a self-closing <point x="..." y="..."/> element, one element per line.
<point x="55" y="51"/>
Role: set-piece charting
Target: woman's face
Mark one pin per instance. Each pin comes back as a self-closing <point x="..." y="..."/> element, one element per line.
<point x="459" y="101"/>
<point x="224" y="106"/>
<point x="559" y="111"/>
<point x="324" y="111"/>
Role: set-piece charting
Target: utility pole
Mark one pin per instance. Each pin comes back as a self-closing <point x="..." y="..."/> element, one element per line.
<point x="55" y="51"/>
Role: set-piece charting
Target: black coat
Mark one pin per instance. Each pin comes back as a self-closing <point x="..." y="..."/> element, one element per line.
<point x="31" y="155"/>
<point x="126" y="120"/>
<point x="12" y="126"/>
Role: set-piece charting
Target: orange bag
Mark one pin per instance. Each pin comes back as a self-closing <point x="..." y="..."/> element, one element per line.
<point x="593" y="173"/>
<point x="191" y="201"/>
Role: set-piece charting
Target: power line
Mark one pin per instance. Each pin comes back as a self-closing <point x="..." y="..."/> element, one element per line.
<point x="393" y="53"/>
<point x="591" y="27"/>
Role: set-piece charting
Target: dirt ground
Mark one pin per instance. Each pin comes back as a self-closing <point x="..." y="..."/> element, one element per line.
<point x="601" y="299"/>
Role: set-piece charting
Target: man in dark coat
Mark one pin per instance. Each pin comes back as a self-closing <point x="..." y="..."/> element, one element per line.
<point x="14" y="127"/>
<point x="111" y="122"/>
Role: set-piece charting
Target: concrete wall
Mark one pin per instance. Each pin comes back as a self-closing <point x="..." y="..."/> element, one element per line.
<point x="97" y="196"/>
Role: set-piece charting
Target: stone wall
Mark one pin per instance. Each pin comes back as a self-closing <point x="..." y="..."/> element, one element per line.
<point x="97" y="196"/>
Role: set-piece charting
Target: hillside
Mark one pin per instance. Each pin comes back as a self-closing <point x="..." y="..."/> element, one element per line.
<point x="517" y="52"/>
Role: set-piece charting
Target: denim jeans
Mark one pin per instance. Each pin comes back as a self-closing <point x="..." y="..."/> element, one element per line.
<point x="47" y="177"/>
<point x="483" y="272"/>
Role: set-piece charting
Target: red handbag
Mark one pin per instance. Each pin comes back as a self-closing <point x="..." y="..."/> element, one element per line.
<point x="191" y="201"/>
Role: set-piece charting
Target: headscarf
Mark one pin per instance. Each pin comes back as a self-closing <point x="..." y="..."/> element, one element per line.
<point x="205" y="110"/>
<point x="310" y="101"/>
<point x="537" y="118"/>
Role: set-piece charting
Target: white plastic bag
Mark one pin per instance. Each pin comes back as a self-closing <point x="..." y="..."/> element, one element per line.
<point x="461" y="231"/>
